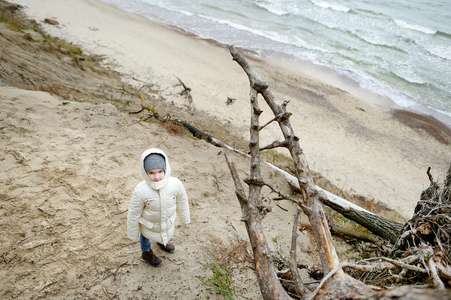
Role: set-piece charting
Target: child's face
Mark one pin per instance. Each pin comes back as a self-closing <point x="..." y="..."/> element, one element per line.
<point x="155" y="174"/>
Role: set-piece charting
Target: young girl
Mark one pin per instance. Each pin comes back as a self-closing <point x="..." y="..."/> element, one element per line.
<point x="153" y="205"/>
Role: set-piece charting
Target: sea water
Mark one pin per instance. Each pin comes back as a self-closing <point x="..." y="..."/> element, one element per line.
<point x="399" y="49"/>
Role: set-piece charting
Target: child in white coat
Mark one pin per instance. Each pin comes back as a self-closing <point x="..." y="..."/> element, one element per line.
<point x="154" y="204"/>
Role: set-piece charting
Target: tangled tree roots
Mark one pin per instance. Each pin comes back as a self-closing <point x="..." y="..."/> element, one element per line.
<point x="431" y="223"/>
<point x="430" y="227"/>
<point x="421" y="254"/>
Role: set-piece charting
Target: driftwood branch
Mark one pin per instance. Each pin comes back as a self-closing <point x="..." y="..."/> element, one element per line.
<point x="275" y="144"/>
<point x="362" y="236"/>
<point x="309" y="193"/>
<point x="284" y="115"/>
<point x="409" y="293"/>
<point x="380" y="226"/>
<point x="186" y="91"/>
<point x="298" y="284"/>
<point x="193" y="130"/>
<point x="241" y="194"/>
<point x="251" y="216"/>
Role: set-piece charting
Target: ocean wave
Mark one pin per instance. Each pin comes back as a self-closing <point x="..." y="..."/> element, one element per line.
<point x="407" y="78"/>
<point x="371" y="40"/>
<point x="335" y="7"/>
<point x="367" y="12"/>
<point x="272" y="7"/>
<point x="419" y="28"/>
<point x="227" y="11"/>
<point x="366" y="40"/>
<point x="440" y="51"/>
<point x="144" y="7"/>
<point x="229" y="23"/>
<point x="292" y="40"/>
<point x="177" y="10"/>
<point x="445" y="34"/>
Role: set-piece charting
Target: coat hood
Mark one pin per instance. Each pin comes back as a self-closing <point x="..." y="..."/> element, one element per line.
<point x="162" y="183"/>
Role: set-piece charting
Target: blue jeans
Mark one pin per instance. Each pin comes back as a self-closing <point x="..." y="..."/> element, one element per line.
<point x="145" y="243"/>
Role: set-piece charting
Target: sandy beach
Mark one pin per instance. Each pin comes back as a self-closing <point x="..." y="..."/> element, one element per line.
<point x="367" y="152"/>
<point x="70" y="167"/>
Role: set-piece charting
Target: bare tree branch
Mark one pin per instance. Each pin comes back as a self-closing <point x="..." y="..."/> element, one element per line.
<point x="310" y="194"/>
<point x="275" y="144"/>
<point x="298" y="284"/>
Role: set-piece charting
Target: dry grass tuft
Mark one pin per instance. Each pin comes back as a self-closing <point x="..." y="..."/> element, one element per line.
<point x="174" y="128"/>
<point x="54" y="90"/>
<point x="9" y="14"/>
<point x="226" y="252"/>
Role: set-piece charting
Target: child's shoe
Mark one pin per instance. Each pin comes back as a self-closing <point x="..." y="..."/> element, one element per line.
<point x="151" y="258"/>
<point x="168" y="248"/>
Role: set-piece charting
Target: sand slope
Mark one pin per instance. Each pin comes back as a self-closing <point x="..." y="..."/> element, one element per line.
<point x="68" y="170"/>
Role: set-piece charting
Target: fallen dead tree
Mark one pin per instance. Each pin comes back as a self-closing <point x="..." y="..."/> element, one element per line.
<point x="337" y="283"/>
<point x="383" y="227"/>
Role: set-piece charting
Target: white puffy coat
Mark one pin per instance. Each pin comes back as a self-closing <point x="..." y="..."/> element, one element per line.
<point x="153" y="205"/>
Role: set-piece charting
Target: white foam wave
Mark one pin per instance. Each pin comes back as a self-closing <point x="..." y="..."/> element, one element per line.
<point x="335" y="7"/>
<point x="270" y="35"/>
<point x="440" y="51"/>
<point x="229" y="23"/>
<point x="272" y="8"/>
<point x="411" y="79"/>
<point x="419" y="28"/>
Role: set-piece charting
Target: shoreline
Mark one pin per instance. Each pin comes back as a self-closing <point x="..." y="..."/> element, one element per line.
<point x="354" y="144"/>
<point x="325" y="74"/>
<point x="412" y="118"/>
<point x="430" y="123"/>
<point x="342" y="82"/>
